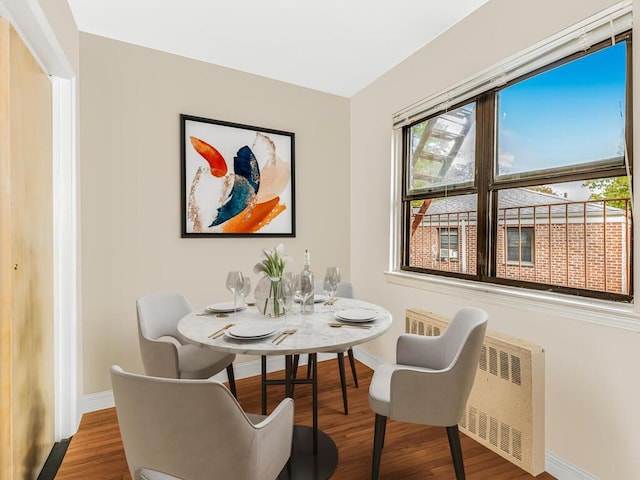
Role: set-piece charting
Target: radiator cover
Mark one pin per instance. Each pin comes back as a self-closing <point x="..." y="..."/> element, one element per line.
<point x="505" y="411"/>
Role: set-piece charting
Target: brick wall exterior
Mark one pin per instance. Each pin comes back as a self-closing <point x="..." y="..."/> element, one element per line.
<point x="561" y="257"/>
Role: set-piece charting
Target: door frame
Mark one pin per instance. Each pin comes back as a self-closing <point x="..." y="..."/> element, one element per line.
<point x="30" y="21"/>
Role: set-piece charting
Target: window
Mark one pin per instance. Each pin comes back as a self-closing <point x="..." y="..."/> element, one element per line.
<point x="527" y="183"/>
<point x="449" y="244"/>
<point x="520" y="245"/>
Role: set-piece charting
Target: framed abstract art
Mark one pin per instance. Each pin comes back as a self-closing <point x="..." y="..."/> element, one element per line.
<point x="237" y="180"/>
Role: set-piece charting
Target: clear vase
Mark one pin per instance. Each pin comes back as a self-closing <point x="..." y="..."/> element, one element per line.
<point x="268" y="294"/>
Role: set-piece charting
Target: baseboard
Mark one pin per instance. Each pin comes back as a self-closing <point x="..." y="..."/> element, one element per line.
<point x="554" y="465"/>
<point x="96" y="401"/>
<point x="563" y="470"/>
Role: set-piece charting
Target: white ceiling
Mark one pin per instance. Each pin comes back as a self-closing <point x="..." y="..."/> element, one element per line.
<point x="335" y="46"/>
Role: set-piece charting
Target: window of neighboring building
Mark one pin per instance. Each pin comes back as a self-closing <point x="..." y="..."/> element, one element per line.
<point x="520" y="245"/>
<point x="533" y="173"/>
<point x="449" y="244"/>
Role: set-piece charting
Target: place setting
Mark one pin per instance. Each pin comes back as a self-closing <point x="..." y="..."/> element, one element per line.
<point x="240" y="286"/>
<point x="354" y="317"/>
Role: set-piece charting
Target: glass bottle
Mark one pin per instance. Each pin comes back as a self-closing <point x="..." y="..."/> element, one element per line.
<point x="307" y="285"/>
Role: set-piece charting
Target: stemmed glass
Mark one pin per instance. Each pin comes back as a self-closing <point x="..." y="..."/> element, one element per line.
<point x="285" y="299"/>
<point x="330" y="284"/>
<point x="235" y="281"/>
<point x="303" y="291"/>
<point x="246" y="289"/>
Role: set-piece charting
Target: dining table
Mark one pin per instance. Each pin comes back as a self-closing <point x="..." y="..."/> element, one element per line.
<point x="330" y="327"/>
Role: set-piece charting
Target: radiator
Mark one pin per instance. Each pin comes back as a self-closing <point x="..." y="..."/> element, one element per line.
<point x="505" y="411"/>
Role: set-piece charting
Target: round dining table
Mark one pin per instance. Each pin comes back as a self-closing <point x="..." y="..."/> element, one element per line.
<point x="314" y="453"/>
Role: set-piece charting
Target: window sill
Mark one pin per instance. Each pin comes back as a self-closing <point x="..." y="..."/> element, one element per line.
<point x="601" y="312"/>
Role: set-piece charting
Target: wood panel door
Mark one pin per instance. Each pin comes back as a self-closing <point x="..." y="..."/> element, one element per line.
<point x="26" y="261"/>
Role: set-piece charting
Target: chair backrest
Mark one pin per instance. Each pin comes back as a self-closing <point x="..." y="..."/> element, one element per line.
<point x="455" y="364"/>
<point x="345" y="288"/>
<point x="158" y="314"/>
<point x="190" y="429"/>
<point x="462" y="339"/>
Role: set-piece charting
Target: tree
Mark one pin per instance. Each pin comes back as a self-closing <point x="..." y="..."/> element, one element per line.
<point x="617" y="188"/>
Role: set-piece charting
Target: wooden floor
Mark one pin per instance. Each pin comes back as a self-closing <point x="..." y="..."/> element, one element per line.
<point x="410" y="451"/>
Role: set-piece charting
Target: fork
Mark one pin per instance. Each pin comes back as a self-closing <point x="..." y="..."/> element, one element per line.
<point x="338" y="325"/>
<point x="220" y="332"/>
<point x="284" y="335"/>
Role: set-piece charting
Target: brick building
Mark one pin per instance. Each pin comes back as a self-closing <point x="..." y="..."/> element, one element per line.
<point x="549" y="239"/>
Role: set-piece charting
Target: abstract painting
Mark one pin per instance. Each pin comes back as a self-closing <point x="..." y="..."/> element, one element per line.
<point x="237" y="180"/>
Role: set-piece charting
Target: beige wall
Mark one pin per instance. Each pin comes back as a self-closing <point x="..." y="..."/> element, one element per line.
<point x="131" y="98"/>
<point x="592" y="382"/>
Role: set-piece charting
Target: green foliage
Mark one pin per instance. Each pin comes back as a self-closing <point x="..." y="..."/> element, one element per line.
<point x="610" y="188"/>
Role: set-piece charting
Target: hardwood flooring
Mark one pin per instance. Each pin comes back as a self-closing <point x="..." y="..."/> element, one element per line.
<point x="410" y="451"/>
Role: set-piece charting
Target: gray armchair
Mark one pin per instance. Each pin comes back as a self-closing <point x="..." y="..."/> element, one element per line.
<point x="196" y="430"/>
<point x="164" y="353"/>
<point x="430" y="382"/>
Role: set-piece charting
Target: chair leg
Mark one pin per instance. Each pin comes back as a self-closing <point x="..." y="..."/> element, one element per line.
<point x="294" y="371"/>
<point x="343" y="382"/>
<point x="378" y="442"/>
<point x="456" y="451"/>
<point x="309" y="365"/>
<point x="232" y="380"/>
<point x="353" y="366"/>
<point x="263" y="362"/>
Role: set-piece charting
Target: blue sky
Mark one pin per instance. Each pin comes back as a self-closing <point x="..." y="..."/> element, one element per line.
<point x="568" y="115"/>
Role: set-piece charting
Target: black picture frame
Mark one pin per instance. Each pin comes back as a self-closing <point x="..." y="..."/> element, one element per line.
<point x="236" y="180"/>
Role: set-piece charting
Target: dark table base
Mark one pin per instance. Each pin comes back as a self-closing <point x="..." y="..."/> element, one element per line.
<point x="304" y="464"/>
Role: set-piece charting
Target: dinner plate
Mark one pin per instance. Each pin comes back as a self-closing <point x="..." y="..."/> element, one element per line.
<point x="224" y="307"/>
<point x="250" y="331"/>
<point x="356" y="315"/>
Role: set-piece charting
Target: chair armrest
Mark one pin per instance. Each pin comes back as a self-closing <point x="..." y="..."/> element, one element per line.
<point x="160" y="358"/>
<point x="274" y="436"/>
<point x="420" y="351"/>
<point x="441" y="390"/>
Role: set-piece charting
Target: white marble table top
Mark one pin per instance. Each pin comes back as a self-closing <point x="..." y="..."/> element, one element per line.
<point x="313" y="334"/>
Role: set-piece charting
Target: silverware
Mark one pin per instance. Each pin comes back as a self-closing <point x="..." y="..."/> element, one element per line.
<point x="283" y="335"/>
<point x="220" y="332"/>
<point x="280" y="335"/>
<point x="338" y="325"/>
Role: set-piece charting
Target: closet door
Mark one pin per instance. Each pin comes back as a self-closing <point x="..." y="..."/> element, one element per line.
<point x="26" y="262"/>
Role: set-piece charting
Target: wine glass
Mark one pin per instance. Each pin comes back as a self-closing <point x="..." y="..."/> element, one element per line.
<point x="235" y="280"/>
<point x="285" y="299"/>
<point x="303" y="290"/>
<point x="330" y="284"/>
<point x="246" y="289"/>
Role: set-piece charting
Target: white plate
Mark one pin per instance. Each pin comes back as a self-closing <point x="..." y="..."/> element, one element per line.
<point x="356" y="315"/>
<point x="224" y="307"/>
<point x="250" y="330"/>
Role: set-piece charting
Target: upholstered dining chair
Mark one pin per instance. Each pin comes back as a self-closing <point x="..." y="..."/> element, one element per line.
<point x="430" y="382"/>
<point x="196" y="430"/>
<point x="164" y="353"/>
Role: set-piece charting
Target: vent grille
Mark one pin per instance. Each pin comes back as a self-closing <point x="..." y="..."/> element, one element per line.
<point x="505" y="411"/>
